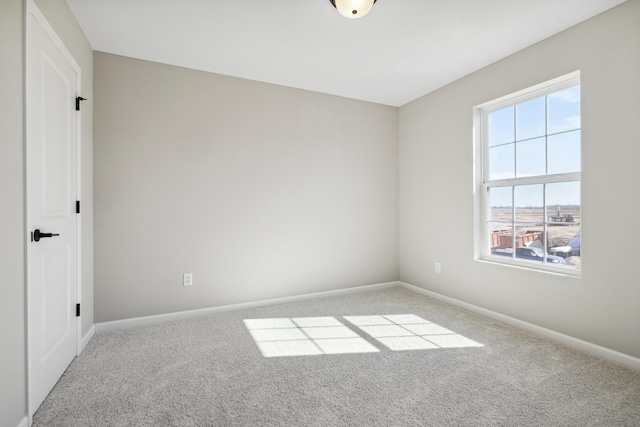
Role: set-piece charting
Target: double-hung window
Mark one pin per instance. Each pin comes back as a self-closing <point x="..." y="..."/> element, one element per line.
<point x="529" y="180"/>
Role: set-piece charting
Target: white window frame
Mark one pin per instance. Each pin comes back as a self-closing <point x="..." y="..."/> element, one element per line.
<point x="482" y="209"/>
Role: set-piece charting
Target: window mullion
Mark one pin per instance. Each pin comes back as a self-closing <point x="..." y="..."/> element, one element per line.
<point x="546" y="134"/>
<point x="515" y="146"/>
<point x="513" y="220"/>
<point x="545" y="245"/>
<point x="565" y="177"/>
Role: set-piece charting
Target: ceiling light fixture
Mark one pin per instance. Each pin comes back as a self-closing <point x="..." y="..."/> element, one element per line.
<point x="353" y="9"/>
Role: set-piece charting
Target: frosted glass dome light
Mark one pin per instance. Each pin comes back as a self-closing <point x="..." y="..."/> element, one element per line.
<point x="353" y="9"/>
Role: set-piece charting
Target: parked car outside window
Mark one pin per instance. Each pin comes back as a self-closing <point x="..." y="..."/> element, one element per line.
<point x="571" y="249"/>
<point x="531" y="253"/>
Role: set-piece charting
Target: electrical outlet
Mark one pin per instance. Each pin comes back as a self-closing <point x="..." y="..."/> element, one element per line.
<point x="187" y="279"/>
<point x="438" y="268"/>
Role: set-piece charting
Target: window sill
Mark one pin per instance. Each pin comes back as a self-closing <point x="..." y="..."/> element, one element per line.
<point x="567" y="271"/>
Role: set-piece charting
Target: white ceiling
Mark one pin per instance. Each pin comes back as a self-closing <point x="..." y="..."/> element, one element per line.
<point x="401" y="50"/>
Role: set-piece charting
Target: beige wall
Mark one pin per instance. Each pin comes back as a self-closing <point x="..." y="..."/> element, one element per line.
<point x="436" y="200"/>
<point x="12" y="261"/>
<point x="12" y="250"/>
<point x="261" y="191"/>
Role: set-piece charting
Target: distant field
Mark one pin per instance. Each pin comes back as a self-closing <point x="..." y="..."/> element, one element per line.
<point x="558" y="234"/>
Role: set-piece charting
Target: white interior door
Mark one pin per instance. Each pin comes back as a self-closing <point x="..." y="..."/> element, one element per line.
<point x="52" y="128"/>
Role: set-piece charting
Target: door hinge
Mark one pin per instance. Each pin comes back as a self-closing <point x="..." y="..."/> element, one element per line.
<point x="77" y="310"/>
<point x="78" y="99"/>
<point x="77" y="206"/>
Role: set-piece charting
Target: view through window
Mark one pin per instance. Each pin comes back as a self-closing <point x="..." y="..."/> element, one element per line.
<point x="531" y="176"/>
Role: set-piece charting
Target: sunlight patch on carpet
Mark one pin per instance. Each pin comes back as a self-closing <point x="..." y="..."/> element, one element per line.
<point x="409" y="332"/>
<point x="311" y="336"/>
<point x="305" y="336"/>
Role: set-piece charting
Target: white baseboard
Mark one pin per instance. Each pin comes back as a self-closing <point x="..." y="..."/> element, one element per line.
<point x="86" y="338"/>
<point x="569" y="341"/>
<point x="24" y="422"/>
<point x="149" y="320"/>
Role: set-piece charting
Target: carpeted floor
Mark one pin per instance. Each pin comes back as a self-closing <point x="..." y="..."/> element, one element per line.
<point x="209" y="371"/>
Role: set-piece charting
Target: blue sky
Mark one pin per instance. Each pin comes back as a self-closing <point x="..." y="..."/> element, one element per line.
<point x="521" y="141"/>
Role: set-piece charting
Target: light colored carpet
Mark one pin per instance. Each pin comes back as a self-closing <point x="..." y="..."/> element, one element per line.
<point x="209" y="371"/>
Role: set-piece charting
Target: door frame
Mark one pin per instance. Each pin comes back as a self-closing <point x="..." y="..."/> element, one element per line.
<point x="32" y="10"/>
